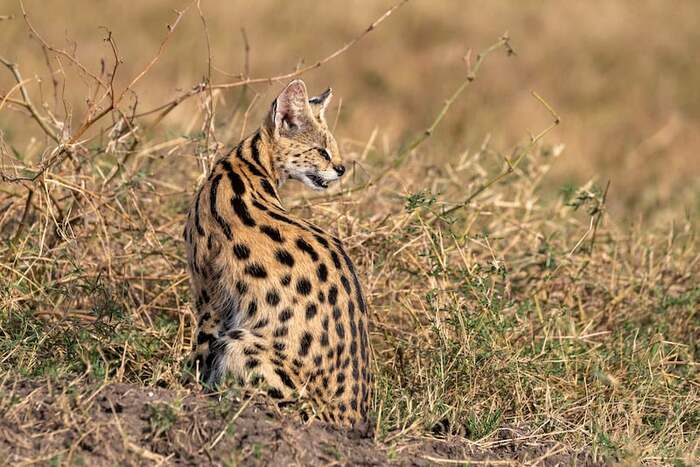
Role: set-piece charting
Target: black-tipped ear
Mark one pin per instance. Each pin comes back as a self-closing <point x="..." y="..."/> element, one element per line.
<point x="320" y="102"/>
<point x="290" y="110"/>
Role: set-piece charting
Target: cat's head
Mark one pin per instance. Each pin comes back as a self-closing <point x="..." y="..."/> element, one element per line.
<point x="302" y="146"/>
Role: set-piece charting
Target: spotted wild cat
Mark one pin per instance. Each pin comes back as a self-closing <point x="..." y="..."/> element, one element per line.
<point x="278" y="299"/>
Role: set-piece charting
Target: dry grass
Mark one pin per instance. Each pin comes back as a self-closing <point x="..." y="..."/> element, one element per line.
<point x="529" y="308"/>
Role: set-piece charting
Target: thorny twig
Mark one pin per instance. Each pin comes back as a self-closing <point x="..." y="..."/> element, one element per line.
<point x="511" y="165"/>
<point x="66" y="147"/>
<point x="26" y="100"/>
<point x="503" y="42"/>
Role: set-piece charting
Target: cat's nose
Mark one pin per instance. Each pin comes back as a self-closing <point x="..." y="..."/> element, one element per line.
<point x="339" y="169"/>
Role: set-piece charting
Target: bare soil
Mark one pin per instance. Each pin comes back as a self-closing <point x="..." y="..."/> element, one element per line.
<point x="50" y="423"/>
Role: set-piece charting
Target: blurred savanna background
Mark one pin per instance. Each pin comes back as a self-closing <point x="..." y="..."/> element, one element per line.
<point x="623" y="75"/>
<point x="560" y="304"/>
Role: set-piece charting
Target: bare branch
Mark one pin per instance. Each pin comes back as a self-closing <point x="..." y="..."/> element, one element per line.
<point x="166" y="108"/>
<point x="511" y="165"/>
<point x="503" y="42"/>
<point x="70" y="56"/>
<point x="156" y="57"/>
<point x="27" y="101"/>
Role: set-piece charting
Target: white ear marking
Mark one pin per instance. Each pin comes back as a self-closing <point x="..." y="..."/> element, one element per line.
<point x="320" y="102"/>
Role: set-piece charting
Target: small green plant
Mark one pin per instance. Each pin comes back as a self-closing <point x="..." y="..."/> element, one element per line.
<point x="161" y="418"/>
<point x="481" y="425"/>
<point x="420" y="199"/>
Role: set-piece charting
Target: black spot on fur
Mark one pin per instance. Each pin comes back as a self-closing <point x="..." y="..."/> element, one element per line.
<point x="322" y="272"/>
<point x="260" y="206"/>
<point x="322" y="241"/>
<point x="285" y="219"/>
<point x="346" y="283"/>
<point x="252" y="308"/>
<point x="281" y="331"/>
<point x="267" y="186"/>
<point x="311" y="311"/>
<point x="255" y="150"/>
<point x="241" y="210"/>
<point x="304" y="246"/>
<point x="303" y="286"/>
<point x="252" y="363"/>
<point x="254" y="170"/>
<point x="340" y="330"/>
<point x="305" y="344"/>
<point x="284" y="257"/>
<point x="336" y="259"/>
<point x="256" y="380"/>
<point x="286" y="314"/>
<point x="286" y="280"/>
<point x="261" y="324"/>
<point x="333" y="295"/>
<point x="241" y="251"/>
<point x="236" y="181"/>
<point x="272" y="298"/>
<point x="284" y="377"/>
<point x="241" y="287"/>
<point x="279" y="346"/>
<point x="321" y="297"/>
<point x="272" y="232"/>
<point x="339" y="350"/>
<point x="256" y="270"/>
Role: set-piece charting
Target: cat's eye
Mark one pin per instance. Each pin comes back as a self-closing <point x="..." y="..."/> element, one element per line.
<point x="324" y="152"/>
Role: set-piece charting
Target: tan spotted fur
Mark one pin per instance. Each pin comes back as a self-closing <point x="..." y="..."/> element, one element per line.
<point x="277" y="299"/>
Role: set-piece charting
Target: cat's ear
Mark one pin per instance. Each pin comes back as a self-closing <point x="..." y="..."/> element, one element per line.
<point x="320" y="102"/>
<point x="290" y="112"/>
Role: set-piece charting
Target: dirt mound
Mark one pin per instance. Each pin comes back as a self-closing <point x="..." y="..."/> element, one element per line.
<point x="100" y="425"/>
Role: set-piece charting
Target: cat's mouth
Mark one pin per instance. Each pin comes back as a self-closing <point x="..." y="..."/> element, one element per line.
<point x="317" y="181"/>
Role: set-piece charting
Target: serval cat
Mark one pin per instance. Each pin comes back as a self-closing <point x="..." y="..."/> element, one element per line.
<point x="277" y="299"/>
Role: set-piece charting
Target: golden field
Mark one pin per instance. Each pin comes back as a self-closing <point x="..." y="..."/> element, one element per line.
<point x="552" y="318"/>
